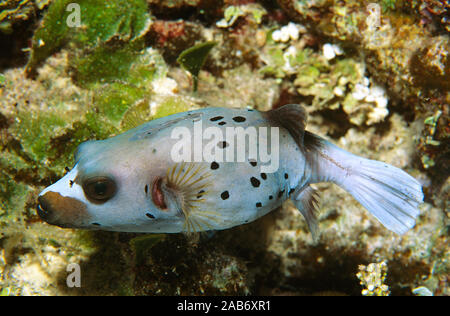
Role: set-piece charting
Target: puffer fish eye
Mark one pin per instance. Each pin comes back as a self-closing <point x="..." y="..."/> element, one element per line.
<point x="99" y="189"/>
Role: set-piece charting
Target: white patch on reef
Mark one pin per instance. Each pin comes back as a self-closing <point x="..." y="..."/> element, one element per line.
<point x="373" y="94"/>
<point x="377" y="115"/>
<point x="291" y="52"/>
<point x="289" y="32"/>
<point x="338" y="92"/>
<point x="330" y="51"/>
<point x="360" y="92"/>
<point x="165" y="86"/>
<point x="153" y="107"/>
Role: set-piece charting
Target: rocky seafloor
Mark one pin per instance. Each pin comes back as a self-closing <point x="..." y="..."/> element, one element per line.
<point x="374" y="77"/>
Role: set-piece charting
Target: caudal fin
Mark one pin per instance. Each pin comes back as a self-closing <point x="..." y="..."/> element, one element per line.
<point x="389" y="193"/>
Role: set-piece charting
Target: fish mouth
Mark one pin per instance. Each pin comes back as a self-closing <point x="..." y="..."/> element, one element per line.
<point x="62" y="211"/>
<point x="158" y="194"/>
<point x="43" y="214"/>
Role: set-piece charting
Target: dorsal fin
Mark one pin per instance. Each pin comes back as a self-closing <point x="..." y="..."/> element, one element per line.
<point x="293" y="118"/>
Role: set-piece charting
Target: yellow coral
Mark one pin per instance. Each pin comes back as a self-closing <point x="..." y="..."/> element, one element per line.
<point x="372" y="279"/>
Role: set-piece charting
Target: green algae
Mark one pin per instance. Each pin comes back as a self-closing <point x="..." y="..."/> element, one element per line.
<point x="388" y="5"/>
<point x="103" y="24"/>
<point x="193" y="58"/>
<point x="142" y="245"/>
<point x="32" y="129"/>
<point x="172" y="105"/>
<point x="15" y="11"/>
<point x="115" y="99"/>
<point x="96" y="66"/>
<point x="233" y="13"/>
<point x="13" y="196"/>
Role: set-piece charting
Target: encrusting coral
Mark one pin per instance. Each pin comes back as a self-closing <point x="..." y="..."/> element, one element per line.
<point x="372" y="279"/>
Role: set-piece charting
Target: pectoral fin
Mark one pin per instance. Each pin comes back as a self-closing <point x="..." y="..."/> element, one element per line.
<point x="190" y="184"/>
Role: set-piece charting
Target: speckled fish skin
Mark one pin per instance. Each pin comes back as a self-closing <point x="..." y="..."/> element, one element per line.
<point x="141" y="189"/>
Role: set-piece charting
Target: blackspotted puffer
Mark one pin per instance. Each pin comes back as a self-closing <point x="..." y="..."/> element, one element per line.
<point x="156" y="179"/>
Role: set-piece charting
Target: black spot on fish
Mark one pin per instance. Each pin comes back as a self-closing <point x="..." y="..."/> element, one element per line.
<point x="216" y="118"/>
<point x="253" y="163"/>
<point x="286" y="176"/>
<point x="280" y="194"/>
<point x="270" y="197"/>
<point x="291" y="191"/>
<point x="255" y="182"/>
<point x="150" y="215"/>
<point x="96" y="224"/>
<point x="259" y="204"/>
<point x="146" y="189"/>
<point x="222" y="123"/>
<point x="264" y="176"/>
<point x="214" y="165"/>
<point x="70" y="183"/>
<point x="200" y="194"/>
<point x="223" y="144"/>
<point x="225" y="195"/>
<point x="239" y="119"/>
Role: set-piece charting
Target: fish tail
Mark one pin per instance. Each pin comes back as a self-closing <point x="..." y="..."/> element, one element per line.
<point x="389" y="193"/>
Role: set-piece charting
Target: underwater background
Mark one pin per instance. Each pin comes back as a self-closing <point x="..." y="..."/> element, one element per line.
<point x="374" y="77"/>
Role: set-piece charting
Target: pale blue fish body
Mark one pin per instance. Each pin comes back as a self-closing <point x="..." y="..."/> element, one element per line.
<point x="131" y="183"/>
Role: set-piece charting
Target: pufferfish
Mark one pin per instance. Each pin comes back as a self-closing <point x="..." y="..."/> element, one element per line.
<point x="131" y="183"/>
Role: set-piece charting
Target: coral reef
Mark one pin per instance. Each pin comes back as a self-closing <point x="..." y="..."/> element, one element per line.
<point x="112" y="29"/>
<point x="193" y="58"/>
<point x="15" y="11"/>
<point x="373" y="76"/>
<point x="372" y="279"/>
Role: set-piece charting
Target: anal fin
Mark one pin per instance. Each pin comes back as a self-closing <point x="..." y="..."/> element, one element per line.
<point x="307" y="203"/>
